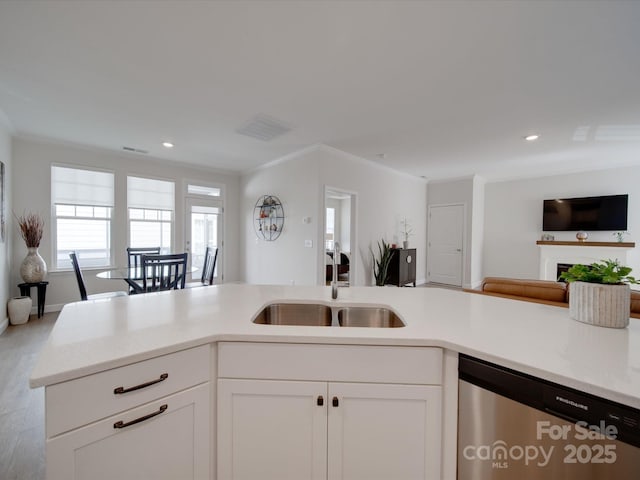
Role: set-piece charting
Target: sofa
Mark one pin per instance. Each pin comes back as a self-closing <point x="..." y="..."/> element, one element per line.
<point x="547" y="292"/>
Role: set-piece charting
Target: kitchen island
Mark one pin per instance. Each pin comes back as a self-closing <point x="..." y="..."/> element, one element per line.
<point x="93" y="341"/>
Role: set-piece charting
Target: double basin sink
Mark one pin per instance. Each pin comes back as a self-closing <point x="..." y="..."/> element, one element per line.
<point x="318" y="315"/>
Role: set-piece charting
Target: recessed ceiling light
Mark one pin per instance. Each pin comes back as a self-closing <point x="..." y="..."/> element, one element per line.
<point x="167" y="144"/>
<point x="531" y="138"/>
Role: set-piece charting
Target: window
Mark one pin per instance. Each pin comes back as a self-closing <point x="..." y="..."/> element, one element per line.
<point x="82" y="206"/>
<point x="151" y="212"/>
<point x="329" y="234"/>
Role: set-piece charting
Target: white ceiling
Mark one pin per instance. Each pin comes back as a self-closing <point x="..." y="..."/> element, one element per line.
<point x="443" y="89"/>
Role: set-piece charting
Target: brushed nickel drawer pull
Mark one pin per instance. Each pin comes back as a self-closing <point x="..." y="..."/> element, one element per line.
<point x="121" y="424"/>
<point x="120" y="390"/>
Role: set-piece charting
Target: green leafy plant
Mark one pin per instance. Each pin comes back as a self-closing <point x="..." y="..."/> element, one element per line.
<point x="608" y="272"/>
<point x="381" y="262"/>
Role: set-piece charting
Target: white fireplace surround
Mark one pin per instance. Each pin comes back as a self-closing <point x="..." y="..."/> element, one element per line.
<point x="552" y="255"/>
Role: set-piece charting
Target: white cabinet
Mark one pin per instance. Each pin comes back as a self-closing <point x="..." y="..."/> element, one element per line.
<point x="272" y="428"/>
<point x="147" y="420"/>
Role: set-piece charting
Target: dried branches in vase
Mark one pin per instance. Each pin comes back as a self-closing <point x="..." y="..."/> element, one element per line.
<point x="31" y="227"/>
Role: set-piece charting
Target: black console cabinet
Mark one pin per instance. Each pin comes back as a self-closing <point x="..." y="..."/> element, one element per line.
<point x="402" y="268"/>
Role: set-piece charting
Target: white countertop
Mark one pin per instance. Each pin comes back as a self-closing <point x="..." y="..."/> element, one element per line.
<point x="540" y="340"/>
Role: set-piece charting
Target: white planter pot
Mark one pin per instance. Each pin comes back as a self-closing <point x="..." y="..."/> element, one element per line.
<point x="598" y="304"/>
<point x="19" y="309"/>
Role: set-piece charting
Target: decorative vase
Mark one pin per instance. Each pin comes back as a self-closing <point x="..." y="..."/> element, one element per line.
<point x="19" y="309"/>
<point x="599" y="304"/>
<point x="33" y="268"/>
<point x="405" y="244"/>
<point x="582" y="236"/>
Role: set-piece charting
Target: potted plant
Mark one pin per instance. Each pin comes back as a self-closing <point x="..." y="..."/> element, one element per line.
<point x="33" y="268"/>
<point x="599" y="293"/>
<point x="407" y="231"/>
<point x="381" y="262"/>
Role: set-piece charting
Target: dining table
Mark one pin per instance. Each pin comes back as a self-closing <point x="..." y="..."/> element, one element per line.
<point x="133" y="276"/>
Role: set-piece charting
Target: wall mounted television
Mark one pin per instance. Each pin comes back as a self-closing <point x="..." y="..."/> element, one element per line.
<point x="587" y="213"/>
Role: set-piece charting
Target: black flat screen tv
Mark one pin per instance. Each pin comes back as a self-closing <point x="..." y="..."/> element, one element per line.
<point x="587" y="213"/>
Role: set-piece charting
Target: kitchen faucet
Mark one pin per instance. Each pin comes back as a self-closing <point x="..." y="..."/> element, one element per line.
<point x="334" y="270"/>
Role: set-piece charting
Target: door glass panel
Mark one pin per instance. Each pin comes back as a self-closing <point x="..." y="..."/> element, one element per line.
<point x="204" y="233"/>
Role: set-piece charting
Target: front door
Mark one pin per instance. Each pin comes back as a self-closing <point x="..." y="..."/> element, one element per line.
<point x="204" y="228"/>
<point x="446" y="235"/>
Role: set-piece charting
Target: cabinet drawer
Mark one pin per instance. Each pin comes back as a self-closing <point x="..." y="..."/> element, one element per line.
<point x="338" y="363"/>
<point x="87" y="399"/>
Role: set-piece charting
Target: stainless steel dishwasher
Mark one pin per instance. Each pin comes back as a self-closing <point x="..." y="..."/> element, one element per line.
<point x="515" y="426"/>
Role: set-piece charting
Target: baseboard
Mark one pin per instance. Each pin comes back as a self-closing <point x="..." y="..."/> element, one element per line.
<point x="3" y="325"/>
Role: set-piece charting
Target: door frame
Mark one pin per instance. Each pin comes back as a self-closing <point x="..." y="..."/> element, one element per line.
<point x="353" y="261"/>
<point x="463" y="261"/>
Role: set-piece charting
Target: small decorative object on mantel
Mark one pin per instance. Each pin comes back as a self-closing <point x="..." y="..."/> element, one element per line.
<point x="268" y="217"/>
<point x="33" y="268"/>
<point x="407" y="231"/>
<point x="620" y="236"/>
<point x="599" y="293"/>
<point x="582" y="236"/>
<point x="547" y="238"/>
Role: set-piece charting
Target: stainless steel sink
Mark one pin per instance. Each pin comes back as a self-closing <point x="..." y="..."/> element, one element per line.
<point x="302" y="314"/>
<point x="372" y="317"/>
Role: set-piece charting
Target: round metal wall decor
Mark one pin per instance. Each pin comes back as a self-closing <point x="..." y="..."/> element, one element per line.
<point x="268" y="217"/>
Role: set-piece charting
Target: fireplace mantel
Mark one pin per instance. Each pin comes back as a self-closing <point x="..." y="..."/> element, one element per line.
<point x="571" y="252"/>
<point x="587" y="244"/>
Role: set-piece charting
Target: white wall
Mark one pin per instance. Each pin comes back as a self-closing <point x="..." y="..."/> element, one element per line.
<point x="31" y="178"/>
<point x="6" y="288"/>
<point x="513" y="217"/>
<point x="383" y="198"/>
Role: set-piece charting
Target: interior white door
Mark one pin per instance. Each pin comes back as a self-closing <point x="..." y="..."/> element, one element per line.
<point x="382" y="432"/>
<point x="204" y="228"/>
<point x="445" y="244"/>
<point x="272" y="430"/>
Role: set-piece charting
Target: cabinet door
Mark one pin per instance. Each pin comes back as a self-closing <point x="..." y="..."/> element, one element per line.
<point x="173" y="444"/>
<point x="384" y="432"/>
<point x="272" y="430"/>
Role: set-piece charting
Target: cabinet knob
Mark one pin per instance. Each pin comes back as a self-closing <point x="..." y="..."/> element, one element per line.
<point x="409" y="259"/>
<point x="335" y="401"/>
<point x="320" y="401"/>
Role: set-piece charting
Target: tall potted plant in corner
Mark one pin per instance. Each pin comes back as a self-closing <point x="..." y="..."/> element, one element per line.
<point x="599" y="293"/>
<point x="33" y="268"/>
<point x="381" y="262"/>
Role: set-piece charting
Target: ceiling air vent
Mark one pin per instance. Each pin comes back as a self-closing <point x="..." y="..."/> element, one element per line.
<point x="135" y="150"/>
<point x="263" y="127"/>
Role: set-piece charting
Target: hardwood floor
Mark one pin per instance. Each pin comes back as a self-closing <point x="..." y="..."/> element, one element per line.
<point x="22" y="408"/>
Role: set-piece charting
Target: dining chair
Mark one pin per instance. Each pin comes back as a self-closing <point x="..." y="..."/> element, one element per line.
<point x="208" y="268"/>
<point x="82" y="287"/>
<point x="164" y="272"/>
<point x="134" y="255"/>
<point x="134" y="260"/>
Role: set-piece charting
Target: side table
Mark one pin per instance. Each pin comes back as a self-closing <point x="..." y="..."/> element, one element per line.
<point x="25" y="290"/>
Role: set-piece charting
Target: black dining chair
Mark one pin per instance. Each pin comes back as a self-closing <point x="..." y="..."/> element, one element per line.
<point x="82" y="287"/>
<point x="208" y="268"/>
<point x="134" y="260"/>
<point x="164" y="272"/>
<point x="134" y="255"/>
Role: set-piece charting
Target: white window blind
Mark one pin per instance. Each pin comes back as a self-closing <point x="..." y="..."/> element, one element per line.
<point x="73" y="186"/>
<point x="149" y="193"/>
<point x="83" y="201"/>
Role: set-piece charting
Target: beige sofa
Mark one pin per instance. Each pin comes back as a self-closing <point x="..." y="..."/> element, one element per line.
<point x="538" y="291"/>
